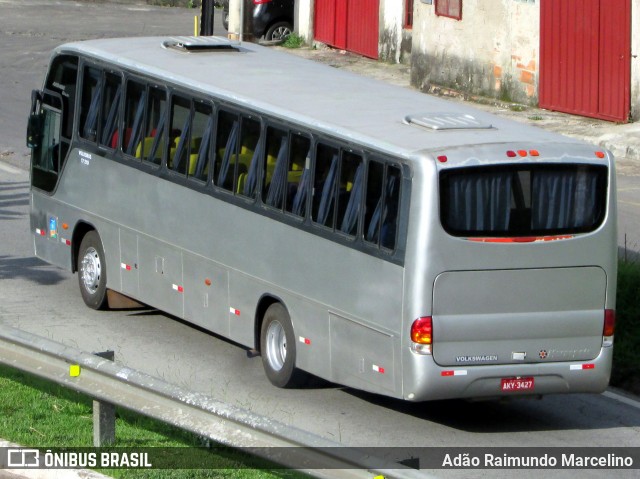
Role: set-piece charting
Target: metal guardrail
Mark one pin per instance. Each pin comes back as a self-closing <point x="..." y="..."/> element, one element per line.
<point x="228" y="425"/>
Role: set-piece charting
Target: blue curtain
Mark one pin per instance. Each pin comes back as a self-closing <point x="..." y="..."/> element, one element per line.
<point x="563" y="199"/>
<point x="350" y="220"/>
<point x="326" y="199"/>
<point x="111" y="123"/>
<point x="480" y="202"/>
<point x="279" y="178"/>
<point x="203" y="153"/>
<point x="252" y="176"/>
<point x="229" y="150"/>
<point x="300" y="198"/>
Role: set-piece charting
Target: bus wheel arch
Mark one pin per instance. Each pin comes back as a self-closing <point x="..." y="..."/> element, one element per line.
<point x="277" y="344"/>
<point x="79" y="232"/>
<point x="92" y="270"/>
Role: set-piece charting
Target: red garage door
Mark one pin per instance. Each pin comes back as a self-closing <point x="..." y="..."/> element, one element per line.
<point x="348" y="24"/>
<point x="585" y="57"/>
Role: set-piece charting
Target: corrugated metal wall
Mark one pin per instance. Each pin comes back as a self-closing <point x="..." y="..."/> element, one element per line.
<point x="348" y="24"/>
<point x="585" y="57"/>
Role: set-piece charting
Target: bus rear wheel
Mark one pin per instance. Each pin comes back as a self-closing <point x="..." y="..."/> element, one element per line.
<point x="92" y="271"/>
<point x="278" y="348"/>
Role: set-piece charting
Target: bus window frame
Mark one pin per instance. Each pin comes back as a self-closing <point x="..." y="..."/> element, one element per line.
<point x="256" y="204"/>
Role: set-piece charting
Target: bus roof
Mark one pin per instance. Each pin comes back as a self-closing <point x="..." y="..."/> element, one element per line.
<point x="339" y="103"/>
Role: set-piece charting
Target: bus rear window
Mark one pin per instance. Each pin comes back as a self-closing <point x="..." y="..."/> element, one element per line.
<point x="532" y="200"/>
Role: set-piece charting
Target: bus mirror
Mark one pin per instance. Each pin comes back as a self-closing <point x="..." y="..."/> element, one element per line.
<point x="34" y="130"/>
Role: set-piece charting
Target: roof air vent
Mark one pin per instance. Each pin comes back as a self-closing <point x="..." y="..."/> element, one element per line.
<point x="447" y="121"/>
<point x="201" y="44"/>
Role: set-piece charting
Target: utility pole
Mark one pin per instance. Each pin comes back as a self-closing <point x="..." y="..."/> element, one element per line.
<point x="206" y="18"/>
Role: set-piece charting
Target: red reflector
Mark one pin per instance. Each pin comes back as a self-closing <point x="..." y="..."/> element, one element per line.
<point x="600" y="154"/>
<point x="534" y="152"/>
<point x="260" y="2"/>
<point x="522" y="153"/>
<point x="442" y="159"/>
<point x="422" y="330"/>
<point x="522" y="239"/>
<point x="511" y="154"/>
<point x="609" y="322"/>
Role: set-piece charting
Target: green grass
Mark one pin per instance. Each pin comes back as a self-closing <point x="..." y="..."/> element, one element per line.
<point x="626" y="362"/>
<point x="293" y="41"/>
<point x="38" y="413"/>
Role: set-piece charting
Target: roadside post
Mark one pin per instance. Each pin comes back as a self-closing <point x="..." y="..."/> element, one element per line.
<point x="104" y="416"/>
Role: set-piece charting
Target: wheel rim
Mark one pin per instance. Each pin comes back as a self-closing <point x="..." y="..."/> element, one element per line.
<point x="280" y="33"/>
<point x="91" y="270"/>
<point x="276" y="347"/>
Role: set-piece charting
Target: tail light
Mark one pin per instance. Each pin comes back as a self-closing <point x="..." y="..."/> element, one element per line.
<point x="422" y="335"/>
<point x="260" y="2"/>
<point x="609" y="327"/>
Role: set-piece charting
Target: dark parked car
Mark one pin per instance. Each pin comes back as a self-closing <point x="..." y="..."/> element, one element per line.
<point x="270" y="19"/>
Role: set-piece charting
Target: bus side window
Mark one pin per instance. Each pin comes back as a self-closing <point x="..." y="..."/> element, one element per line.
<point x="381" y="204"/>
<point x="178" y="147"/>
<point x="200" y="144"/>
<point x="275" y="167"/>
<point x="248" y="152"/>
<point x="152" y="144"/>
<point x="298" y="175"/>
<point x="110" y="110"/>
<point x="226" y="142"/>
<point x="324" y="184"/>
<point x="248" y="182"/>
<point x="63" y="78"/>
<point x="136" y="97"/>
<point x="350" y="193"/>
<point x="90" y="103"/>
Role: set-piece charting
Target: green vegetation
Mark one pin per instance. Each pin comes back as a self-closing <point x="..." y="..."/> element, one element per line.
<point x="293" y="41"/>
<point x="38" y="413"/>
<point x="536" y="118"/>
<point x="516" y="107"/>
<point x="626" y="361"/>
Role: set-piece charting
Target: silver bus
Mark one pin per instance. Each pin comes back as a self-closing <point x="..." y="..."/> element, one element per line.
<point x="360" y="232"/>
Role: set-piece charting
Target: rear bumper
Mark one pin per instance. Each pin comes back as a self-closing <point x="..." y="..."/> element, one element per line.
<point x="424" y="380"/>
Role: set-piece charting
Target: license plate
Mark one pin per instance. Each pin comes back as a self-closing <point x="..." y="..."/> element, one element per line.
<point x="516" y="384"/>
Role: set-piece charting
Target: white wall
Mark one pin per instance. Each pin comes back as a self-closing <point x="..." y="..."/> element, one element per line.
<point x="493" y="50"/>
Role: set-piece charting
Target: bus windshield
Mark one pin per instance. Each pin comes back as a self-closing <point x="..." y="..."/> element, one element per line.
<point x="517" y="201"/>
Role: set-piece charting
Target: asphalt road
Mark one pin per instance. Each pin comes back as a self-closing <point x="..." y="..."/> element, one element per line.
<point x="44" y="300"/>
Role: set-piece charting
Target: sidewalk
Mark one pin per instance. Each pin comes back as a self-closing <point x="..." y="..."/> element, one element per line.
<point x="622" y="139"/>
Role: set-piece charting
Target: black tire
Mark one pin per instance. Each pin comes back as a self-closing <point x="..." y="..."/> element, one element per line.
<point x="278" y="31"/>
<point x="92" y="271"/>
<point x="278" y="348"/>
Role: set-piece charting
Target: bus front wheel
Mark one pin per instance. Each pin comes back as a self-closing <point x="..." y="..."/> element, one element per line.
<point x="92" y="271"/>
<point x="278" y="348"/>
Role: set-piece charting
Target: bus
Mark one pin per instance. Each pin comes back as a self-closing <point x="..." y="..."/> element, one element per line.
<point x="363" y="233"/>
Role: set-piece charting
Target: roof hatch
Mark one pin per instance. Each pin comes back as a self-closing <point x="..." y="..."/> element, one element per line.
<point x="201" y="44"/>
<point x="447" y="121"/>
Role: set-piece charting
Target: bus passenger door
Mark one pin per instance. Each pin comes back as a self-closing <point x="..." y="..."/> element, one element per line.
<point x="43" y="137"/>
